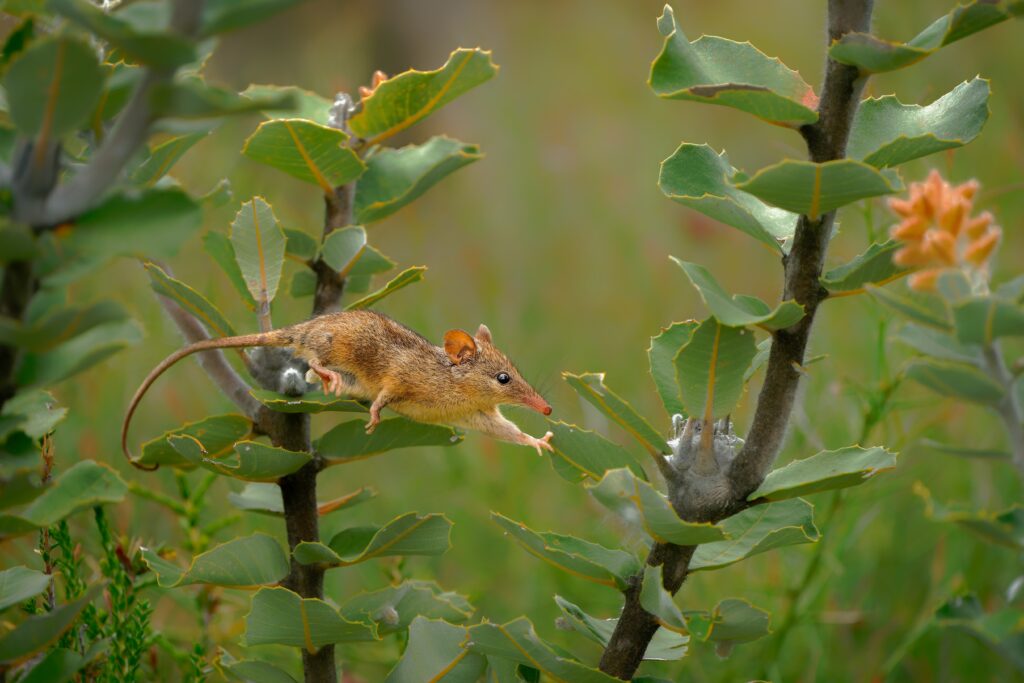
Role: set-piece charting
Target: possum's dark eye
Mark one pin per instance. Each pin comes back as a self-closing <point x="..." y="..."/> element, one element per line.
<point x="503" y="378"/>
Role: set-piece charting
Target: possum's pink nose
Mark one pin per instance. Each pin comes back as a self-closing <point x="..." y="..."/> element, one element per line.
<point x="538" y="404"/>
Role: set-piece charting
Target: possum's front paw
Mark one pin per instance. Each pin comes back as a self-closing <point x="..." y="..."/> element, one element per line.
<point x="542" y="444"/>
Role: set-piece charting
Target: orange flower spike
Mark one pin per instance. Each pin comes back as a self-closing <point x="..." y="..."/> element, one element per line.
<point x="913" y="228"/>
<point x="976" y="227"/>
<point x="979" y="250"/>
<point x="911" y="255"/>
<point x="941" y="245"/>
<point x="902" y="207"/>
<point x="969" y="189"/>
<point x="924" y="281"/>
<point x="953" y="217"/>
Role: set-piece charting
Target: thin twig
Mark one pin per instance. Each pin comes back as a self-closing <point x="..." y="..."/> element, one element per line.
<point x="212" y="362"/>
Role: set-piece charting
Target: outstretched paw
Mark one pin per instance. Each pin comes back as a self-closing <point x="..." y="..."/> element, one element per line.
<point x="372" y="424"/>
<point x="543" y="443"/>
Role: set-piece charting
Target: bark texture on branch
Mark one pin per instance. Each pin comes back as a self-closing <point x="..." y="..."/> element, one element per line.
<point x="291" y="431"/>
<point x="826" y="140"/>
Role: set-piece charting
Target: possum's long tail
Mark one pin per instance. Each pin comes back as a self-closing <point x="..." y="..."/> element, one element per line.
<point x="274" y="338"/>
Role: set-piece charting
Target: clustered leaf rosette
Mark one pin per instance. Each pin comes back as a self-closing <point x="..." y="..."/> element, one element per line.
<point x="939" y="233"/>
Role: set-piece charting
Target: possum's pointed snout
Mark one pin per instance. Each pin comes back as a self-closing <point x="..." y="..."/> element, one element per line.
<point x="537" y="403"/>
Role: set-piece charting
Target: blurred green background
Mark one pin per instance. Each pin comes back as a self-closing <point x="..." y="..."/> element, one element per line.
<point x="559" y="241"/>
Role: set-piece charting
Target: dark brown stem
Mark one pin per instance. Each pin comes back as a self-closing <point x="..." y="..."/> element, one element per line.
<point x="291" y="431"/>
<point x="329" y="283"/>
<point x="826" y="140"/>
<point x="19" y="284"/>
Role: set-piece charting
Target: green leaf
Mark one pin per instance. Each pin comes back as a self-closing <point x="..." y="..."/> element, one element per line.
<point x="37" y="410"/>
<point x="953" y="379"/>
<point x="738" y="310"/>
<point x="661" y="356"/>
<point x="39" y="631"/>
<point x="16" y="243"/>
<point x="342" y="249"/>
<point x="394" y="608"/>
<point x="48" y="323"/>
<point x="710" y="368"/>
<point x="435" y="653"/>
<point x="825" y="471"/>
<point x="814" y="189"/>
<point x="764" y="350"/>
<point x="665" y="645"/>
<point x="160" y="49"/>
<point x="518" y="641"/>
<point x="580" y="453"/>
<point x="58" y="665"/>
<point x="52" y="87"/>
<point x="192" y="98"/>
<point x="921" y="308"/>
<point x="410" y="97"/>
<point x="731" y="621"/>
<point x="696" y="177"/>
<point x="756" y="530"/>
<point x="349" y="441"/>
<point x="575" y="556"/>
<point x="219" y="16"/>
<point x="300" y="245"/>
<point x="218" y="246"/>
<point x="395" y="177"/>
<point x="659" y="603"/>
<point x="1004" y="528"/>
<point x="217" y="434"/>
<point x="966" y="452"/>
<point x="887" y="132"/>
<point x="190" y="300"/>
<point x="982" y="320"/>
<point x="281" y="617"/>
<point x="250" y="670"/>
<point x="77" y="354"/>
<point x="305" y="150"/>
<point x="874" y="266"/>
<point x="403" y="279"/>
<point x="308" y="403"/>
<point x="250" y="461"/>
<point x="874" y="55"/>
<point x="719" y="71"/>
<point x="18" y="584"/>
<point x="163" y="157"/>
<point x="85" y="484"/>
<point x="1011" y="290"/>
<point x="266" y="498"/>
<point x="591" y="387"/>
<point x="370" y="262"/>
<point x="1000" y="631"/>
<point x="305" y="104"/>
<point x="243" y="562"/>
<point x="410" y="534"/>
<point x="153" y="223"/>
<point x="259" y="245"/>
<point x="633" y="499"/>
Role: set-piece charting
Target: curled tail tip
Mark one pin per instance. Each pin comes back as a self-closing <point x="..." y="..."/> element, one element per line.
<point x="128" y="454"/>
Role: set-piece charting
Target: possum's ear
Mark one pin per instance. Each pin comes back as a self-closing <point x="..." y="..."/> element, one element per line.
<point x="483" y="334"/>
<point x="459" y="346"/>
